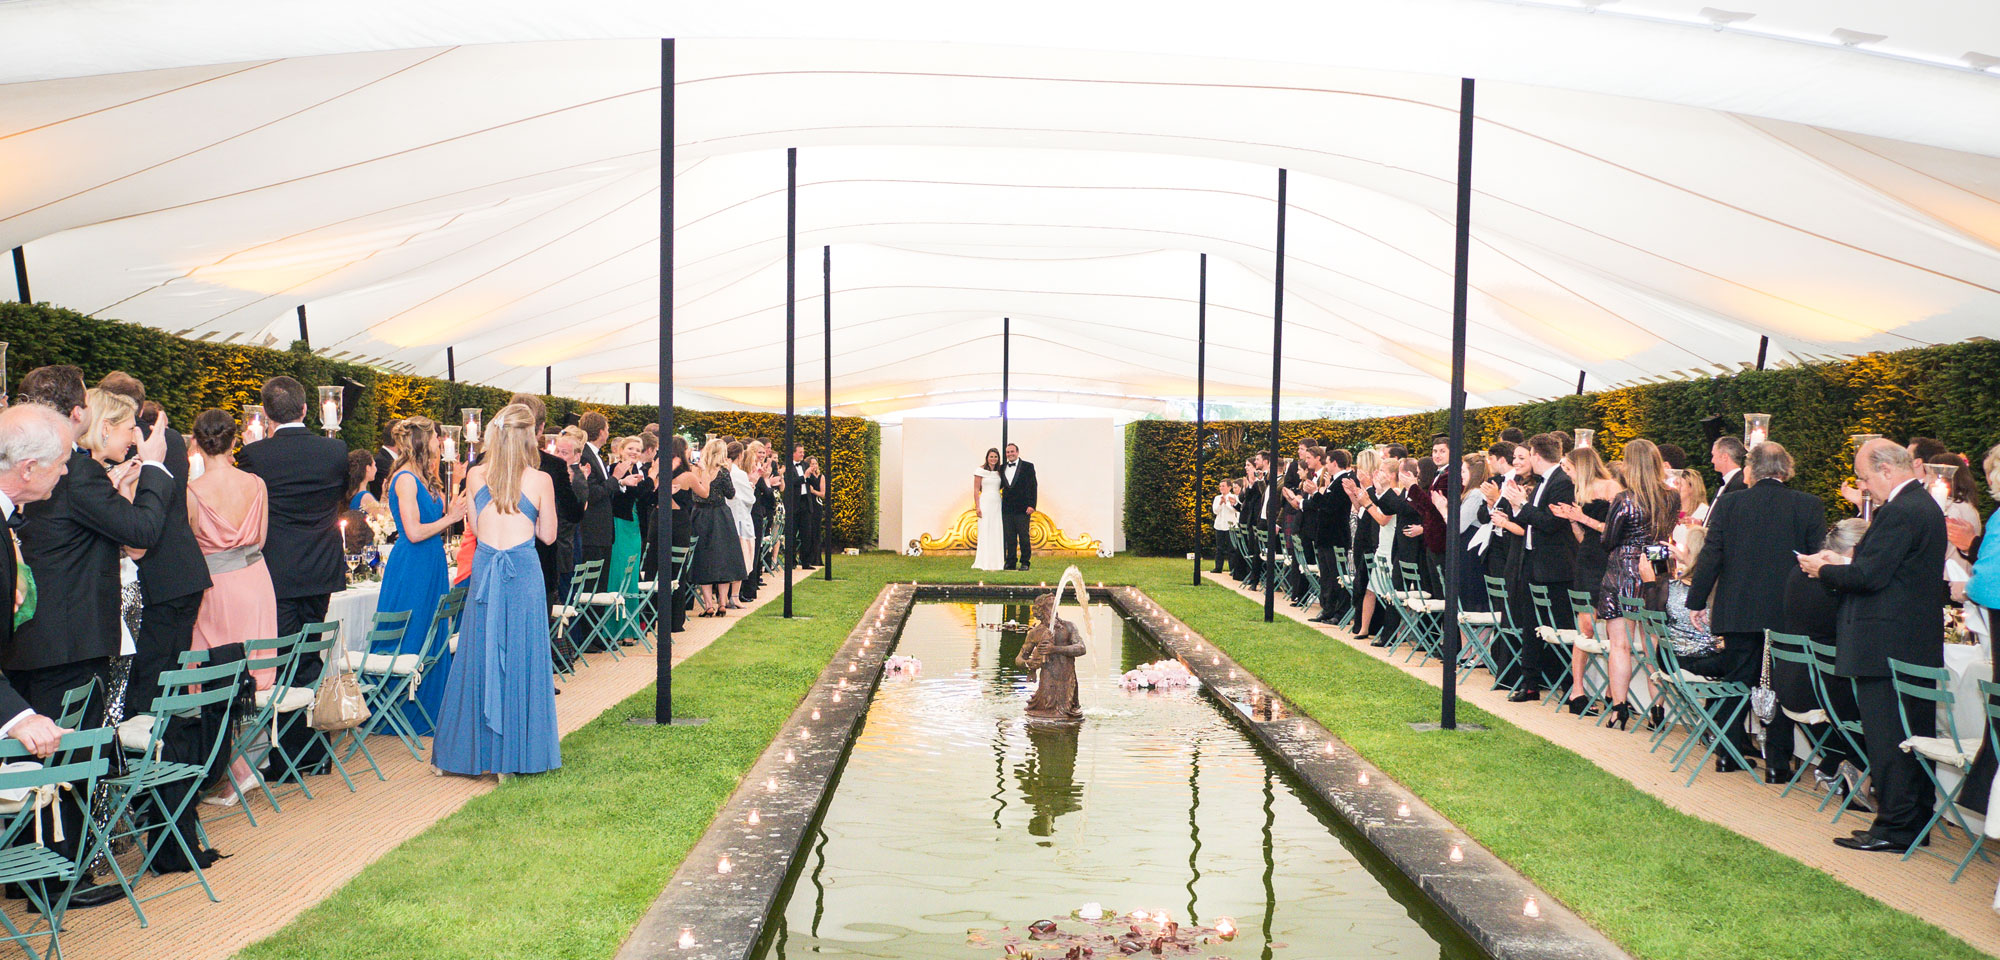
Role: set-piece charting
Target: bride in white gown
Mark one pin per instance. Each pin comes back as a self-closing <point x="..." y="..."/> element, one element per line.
<point x="986" y="497"/>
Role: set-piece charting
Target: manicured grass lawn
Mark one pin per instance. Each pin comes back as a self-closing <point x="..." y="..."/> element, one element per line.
<point x="563" y="865"/>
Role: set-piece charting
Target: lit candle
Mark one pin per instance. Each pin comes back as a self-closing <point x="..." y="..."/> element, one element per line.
<point x="771" y="784"/>
<point x="1363" y="780"/>
<point x="723" y="865"/>
<point x="755" y="819"/>
<point x="815" y="713"/>
<point x="836" y="696"/>
<point x="687" y="938"/>
<point x="1457" y="854"/>
<point x="1225" y="928"/>
<point x="790" y="757"/>
<point x="450" y="450"/>
<point x="1532" y="909"/>
<point x="1402" y="809"/>
<point x="1091" y="911"/>
<point x="329" y="415"/>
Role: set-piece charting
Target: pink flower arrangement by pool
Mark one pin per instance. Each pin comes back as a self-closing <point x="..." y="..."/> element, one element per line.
<point x="902" y="666"/>
<point x="1159" y="675"/>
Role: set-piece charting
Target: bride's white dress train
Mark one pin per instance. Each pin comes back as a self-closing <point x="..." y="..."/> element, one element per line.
<point x="989" y="555"/>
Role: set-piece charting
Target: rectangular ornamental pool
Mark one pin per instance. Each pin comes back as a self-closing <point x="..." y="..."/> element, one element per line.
<point x="955" y="825"/>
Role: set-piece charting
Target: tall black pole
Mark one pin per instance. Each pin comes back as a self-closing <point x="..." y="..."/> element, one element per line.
<point x="21" y="274"/>
<point x="1580" y="374"/>
<point x="628" y="393"/>
<point x="303" y="337"/>
<point x="1763" y="348"/>
<point x="1453" y="492"/>
<point x="663" y="670"/>
<point x="1271" y="494"/>
<point x="791" y="363"/>
<point x="450" y="365"/>
<point x="1006" y="344"/>
<point x="549" y="383"/>
<point x="1200" y="407"/>
<point x="826" y="381"/>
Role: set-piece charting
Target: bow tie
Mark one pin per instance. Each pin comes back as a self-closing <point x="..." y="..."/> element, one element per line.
<point x="16" y="520"/>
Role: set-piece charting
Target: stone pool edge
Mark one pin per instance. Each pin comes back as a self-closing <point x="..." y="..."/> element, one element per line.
<point x="726" y="913"/>
<point x="1481" y="894"/>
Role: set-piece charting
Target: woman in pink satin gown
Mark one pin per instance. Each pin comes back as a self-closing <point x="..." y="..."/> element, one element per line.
<point x="228" y="511"/>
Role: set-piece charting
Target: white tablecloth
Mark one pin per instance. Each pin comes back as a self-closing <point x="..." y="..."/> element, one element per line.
<point x="354" y="609"/>
<point x="1968" y="664"/>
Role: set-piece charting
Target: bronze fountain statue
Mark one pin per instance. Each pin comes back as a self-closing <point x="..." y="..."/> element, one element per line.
<point x="1050" y="652"/>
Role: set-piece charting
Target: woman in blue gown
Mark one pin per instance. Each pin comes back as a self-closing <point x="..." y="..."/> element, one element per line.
<point x="416" y="576"/>
<point x="499" y="709"/>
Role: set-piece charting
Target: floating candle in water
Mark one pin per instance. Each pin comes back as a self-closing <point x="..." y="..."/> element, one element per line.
<point x="687" y="938"/>
<point x="755" y="819"/>
<point x="1225" y="928"/>
<point x="1137" y="915"/>
<point x="1532" y="909"/>
<point x="1457" y="854"/>
<point x="723" y="865"/>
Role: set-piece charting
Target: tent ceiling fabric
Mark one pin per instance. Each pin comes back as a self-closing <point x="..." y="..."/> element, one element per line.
<point x="424" y="175"/>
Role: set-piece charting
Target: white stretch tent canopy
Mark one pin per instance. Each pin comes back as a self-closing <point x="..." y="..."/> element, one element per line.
<point x="1658" y="185"/>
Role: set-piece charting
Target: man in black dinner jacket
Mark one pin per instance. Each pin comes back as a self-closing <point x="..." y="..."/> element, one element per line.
<point x="1334" y="509"/>
<point x="1726" y="455"/>
<point x="304" y="476"/>
<point x="1753" y="538"/>
<point x="34" y="455"/>
<point x="70" y="544"/>
<point x="172" y="575"/>
<point x="1891" y="593"/>
<point x="1017" y="503"/>
<point x="569" y="509"/>
<point x="1550" y="558"/>
<point x="598" y="529"/>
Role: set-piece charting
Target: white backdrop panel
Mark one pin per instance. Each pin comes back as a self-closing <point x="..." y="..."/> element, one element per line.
<point x="1079" y="463"/>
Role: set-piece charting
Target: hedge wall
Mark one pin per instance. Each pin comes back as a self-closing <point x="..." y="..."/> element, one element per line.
<point x="1949" y="392"/>
<point x="189" y="376"/>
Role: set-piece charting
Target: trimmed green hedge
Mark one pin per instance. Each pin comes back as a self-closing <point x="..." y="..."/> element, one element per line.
<point x="189" y="376"/>
<point x="1950" y="392"/>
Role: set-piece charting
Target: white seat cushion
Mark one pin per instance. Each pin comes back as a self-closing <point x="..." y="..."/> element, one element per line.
<point x="1478" y="617"/>
<point x="11" y="801"/>
<point x="600" y="599"/>
<point x="1589" y="644"/>
<point x="400" y="664"/>
<point x="136" y="733"/>
<point x="564" y="611"/>
<point x="1811" y="717"/>
<point x="1957" y="753"/>
<point x="646" y="585"/>
<point x="1424" y="605"/>
<point x="289" y="698"/>
<point x="451" y="643"/>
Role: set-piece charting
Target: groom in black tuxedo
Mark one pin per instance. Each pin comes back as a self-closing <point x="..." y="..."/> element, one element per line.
<point x="1017" y="504"/>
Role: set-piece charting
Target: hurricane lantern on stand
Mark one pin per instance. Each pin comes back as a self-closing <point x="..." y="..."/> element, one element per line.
<point x="1585" y="438"/>
<point x="1756" y="428"/>
<point x="255" y="426"/>
<point x="1867" y="499"/>
<point x="449" y="451"/>
<point x="473" y="433"/>
<point x="329" y="410"/>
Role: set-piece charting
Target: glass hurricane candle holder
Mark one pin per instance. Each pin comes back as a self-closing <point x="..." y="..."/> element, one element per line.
<point x="1861" y="439"/>
<point x="473" y="432"/>
<point x="1756" y="428"/>
<point x="1585" y="437"/>
<point x="329" y="409"/>
<point x="255" y="426"/>
<point x="549" y="441"/>
<point x="449" y="447"/>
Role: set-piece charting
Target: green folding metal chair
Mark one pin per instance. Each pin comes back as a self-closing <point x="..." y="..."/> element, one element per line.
<point x="317" y="642"/>
<point x="582" y="581"/>
<point x="388" y="676"/>
<point x="141" y="791"/>
<point x="1814" y="724"/>
<point x="1825" y="680"/>
<point x="283" y="657"/>
<point x="1931" y="687"/>
<point x="46" y="878"/>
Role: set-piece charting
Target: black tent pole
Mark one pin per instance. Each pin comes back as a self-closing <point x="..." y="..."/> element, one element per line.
<point x="1271" y="494"/>
<point x="791" y="365"/>
<point x="826" y="380"/>
<point x="1454" y="492"/>
<point x="21" y="274"/>
<point x="1006" y="343"/>
<point x="1200" y="407"/>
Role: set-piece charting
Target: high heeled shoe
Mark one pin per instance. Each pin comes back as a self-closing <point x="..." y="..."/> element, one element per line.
<point x="1578" y="704"/>
<point x="1621" y="715"/>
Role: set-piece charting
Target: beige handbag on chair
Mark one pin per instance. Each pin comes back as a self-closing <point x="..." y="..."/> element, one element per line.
<point x="338" y="704"/>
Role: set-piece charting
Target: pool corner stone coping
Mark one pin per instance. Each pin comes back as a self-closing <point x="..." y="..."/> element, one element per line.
<point x="725" y="913"/>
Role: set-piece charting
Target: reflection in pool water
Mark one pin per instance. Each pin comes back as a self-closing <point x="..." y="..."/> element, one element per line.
<point x="952" y="814"/>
